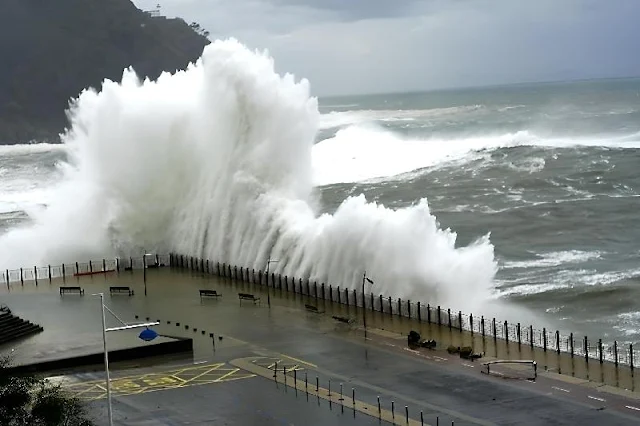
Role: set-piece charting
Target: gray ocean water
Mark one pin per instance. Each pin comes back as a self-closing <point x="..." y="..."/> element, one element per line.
<point x="549" y="170"/>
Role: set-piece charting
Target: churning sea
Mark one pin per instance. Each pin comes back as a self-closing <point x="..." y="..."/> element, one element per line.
<point x="550" y="171"/>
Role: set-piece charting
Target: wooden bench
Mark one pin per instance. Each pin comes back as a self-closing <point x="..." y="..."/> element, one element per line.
<point x="78" y="290"/>
<point x="247" y="296"/>
<point x="209" y="293"/>
<point x="121" y="290"/>
<point x="313" y="309"/>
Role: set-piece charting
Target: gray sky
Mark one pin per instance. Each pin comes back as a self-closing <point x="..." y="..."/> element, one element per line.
<point x="367" y="46"/>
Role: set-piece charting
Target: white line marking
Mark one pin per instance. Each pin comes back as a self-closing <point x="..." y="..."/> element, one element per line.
<point x="199" y="362"/>
<point x="593" y="397"/>
<point x="632" y="408"/>
<point x="468" y="365"/>
<point x="560" y="389"/>
<point x="440" y="358"/>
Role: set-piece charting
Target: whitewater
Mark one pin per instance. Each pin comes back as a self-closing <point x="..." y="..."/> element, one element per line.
<point x="218" y="161"/>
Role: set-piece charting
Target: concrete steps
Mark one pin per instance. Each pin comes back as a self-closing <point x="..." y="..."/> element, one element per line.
<point x="13" y="327"/>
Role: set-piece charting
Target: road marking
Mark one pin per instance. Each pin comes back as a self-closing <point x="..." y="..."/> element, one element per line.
<point x="300" y="361"/>
<point x="440" y="358"/>
<point x="199" y="362"/>
<point x="632" y="408"/>
<point x="161" y="380"/>
<point x="468" y="365"/>
<point x="560" y="389"/>
<point x="593" y="397"/>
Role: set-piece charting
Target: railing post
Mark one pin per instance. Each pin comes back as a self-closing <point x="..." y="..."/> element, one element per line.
<point x="600" y="350"/>
<point x="90" y="267"/>
<point x="519" y="334"/>
<point x="439" y="319"/>
<point x="506" y="331"/>
<point x="63" y="272"/>
<point x="615" y="351"/>
<point x="409" y="308"/>
<point x="571" y="343"/>
<point x="104" y="265"/>
<point x="449" y="315"/>
<point x="544" y="338"/>
<point x="460" y="320"/>
<point x="557" y="341"/>
<point x="531" y="336"/>
<point x="419" y="313"/>
<point x="495" y="330"/>
<point x="399" y="307"/>
<point x="586" y="349"/>
<point x="21" y="277"/>
<point x="390" y="306"/>
<point x="471" y="323"/>
<point x="77" y="269"/>
<point x="49" y="269"/>
<point x="482" y="325"/>
<point x="429" y="313"/>
<point x="35" y="274"/>
<point x="631" y="355"/>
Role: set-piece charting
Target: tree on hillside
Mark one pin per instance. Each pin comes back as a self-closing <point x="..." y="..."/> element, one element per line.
<point x="27" y="400"/>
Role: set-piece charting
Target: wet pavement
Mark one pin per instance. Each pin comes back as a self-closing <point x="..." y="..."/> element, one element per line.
<point x="432" y="382"/>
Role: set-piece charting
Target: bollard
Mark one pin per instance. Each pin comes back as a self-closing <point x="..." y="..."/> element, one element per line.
<point x="519" y="335"/>
<point x="21" y="279"/>
<point x="284" y="372"/>
<point x="353" y="396"/>
<point x="557" y="341"/>
<point x="295" y="378"/>
<point x="275" y="370"/>
<point x="305" y="382"/>
<point x="317" y="384"/>
<point x="615" y="352"/>
<point x="544" y="339"/>
<point x="329" y="388"/>
<point x="631" y="356"/>
<point x="379" y="408"/>
<point x="393" y="415"/>
<point x="471" y="323"/>
<point x="35" y="274"/>
<point x="421" y="419"/>
<point x="506" y="331"/>
<point x="482" y="325"/>
<point x="460" y="320"/>
<point x="406" y="413"/>
<point x="449" y="315"/>
<point x="341" y="398"/>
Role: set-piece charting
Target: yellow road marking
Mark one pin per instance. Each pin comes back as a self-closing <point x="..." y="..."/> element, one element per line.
<point x="300" y="361"/>
<point x="151" y="382"/>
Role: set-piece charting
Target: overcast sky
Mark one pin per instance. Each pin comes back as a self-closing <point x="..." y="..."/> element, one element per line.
<point x="369" y="46"/>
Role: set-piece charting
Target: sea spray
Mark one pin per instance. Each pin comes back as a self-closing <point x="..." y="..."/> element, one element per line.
<point x="215" y="162"/>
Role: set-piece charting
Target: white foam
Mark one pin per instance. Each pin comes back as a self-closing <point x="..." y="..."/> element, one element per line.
<point x="556" y="258"/>
<point x="215" y="162"/>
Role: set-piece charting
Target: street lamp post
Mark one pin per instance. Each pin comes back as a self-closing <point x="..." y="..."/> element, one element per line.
<point x="146" y="335"/>
<point x="364" y="302"/>
<point x="269" y="261"/>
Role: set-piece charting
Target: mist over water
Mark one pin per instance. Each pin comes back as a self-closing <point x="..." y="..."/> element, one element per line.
<point x="216" y="162"/>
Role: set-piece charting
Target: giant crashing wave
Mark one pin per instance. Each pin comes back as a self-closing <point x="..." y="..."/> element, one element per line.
<point x="215" y="162"/>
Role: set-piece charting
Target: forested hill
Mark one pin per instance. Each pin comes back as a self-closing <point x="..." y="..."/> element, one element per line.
<point x="50" y="50"/>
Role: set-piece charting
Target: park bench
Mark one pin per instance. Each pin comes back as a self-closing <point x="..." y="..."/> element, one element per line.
<point x="121" y="290"/>
<point x="312" y="308"/>
<point x="247" y="296"/>
<point x="343" y="319"/>
<point x="68" y="289"/>
<point x="209" y="293"/>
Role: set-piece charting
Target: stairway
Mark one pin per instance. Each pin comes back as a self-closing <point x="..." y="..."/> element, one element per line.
<point x="13" y="327"/>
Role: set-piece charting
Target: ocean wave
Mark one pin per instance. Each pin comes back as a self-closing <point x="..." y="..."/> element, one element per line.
<point x="216" y="162"/>
<point x="34" y="148"/>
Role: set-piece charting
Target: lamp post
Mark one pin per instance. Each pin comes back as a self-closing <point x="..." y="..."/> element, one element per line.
<point x="145" y="335"/>
<point x="268" y="292"/>
<point x="364" y="302"/>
